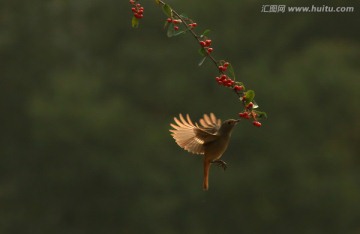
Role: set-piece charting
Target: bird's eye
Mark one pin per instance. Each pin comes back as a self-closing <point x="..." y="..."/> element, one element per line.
<point x="229" y="123"/>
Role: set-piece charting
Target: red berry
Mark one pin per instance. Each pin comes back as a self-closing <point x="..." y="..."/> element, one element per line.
<point x="176" y="28"/>
<point x="169" y="20"/>
<point x="244" y="115"/>
<point x="193" y="25"/>
<point x="238" y="88"/>
<point x="222" y="68"/>
<point x="138" y="5"/>
<point x="256" y="123"/>
<point x="141" y="11"/>
<point x="138" y="16"/>
<point x="230" y="83"/>
<point x="208" y="42"/>
<point x="250" y="105"/>
<point x="141" y="8"/>
<point x="203" y="43"/>
<point x="132" y="2"/>
<point x="209" y="50"/>
<point x="223" y="77"/>
<point x="219" y="80"/>
<point x="226" y="64"/>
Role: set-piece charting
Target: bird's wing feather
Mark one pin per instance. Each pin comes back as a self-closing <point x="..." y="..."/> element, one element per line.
<point x="210" y="123"/>
<point x="190" y="136"/>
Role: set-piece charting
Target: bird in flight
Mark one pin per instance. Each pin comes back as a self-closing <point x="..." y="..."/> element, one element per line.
<point x="209" y="138"/>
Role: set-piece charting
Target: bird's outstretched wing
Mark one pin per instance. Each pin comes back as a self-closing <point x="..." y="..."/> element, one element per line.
<point x="210" y="123"/>
<point x="192" y="137"/>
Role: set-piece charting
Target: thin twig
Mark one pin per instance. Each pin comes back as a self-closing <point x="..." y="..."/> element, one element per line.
<point x="197" y="37"/>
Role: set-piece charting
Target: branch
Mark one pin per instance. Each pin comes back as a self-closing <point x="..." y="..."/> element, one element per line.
<point x="226" y="75"/>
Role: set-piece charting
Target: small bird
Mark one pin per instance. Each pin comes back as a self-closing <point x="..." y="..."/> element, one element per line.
<point x="210" y="138"/>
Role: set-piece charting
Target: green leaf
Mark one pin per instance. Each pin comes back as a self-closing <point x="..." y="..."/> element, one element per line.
<point x="157" y="2"/>
<point x="202" y="61"/>
<point x="166" y="24"/>
<point x="202" y="52"/>
<point x="135" y="22"/>
<point x="179" y="32"/>
<point x="167" y="10"/>
<point x="249" y="96"/>
<point x="184" y="16"/>
<point x="261" y="114"/>
<point x="170" y="31"/>
<point x="231" y="71"/>
<point x="205" y="33"/>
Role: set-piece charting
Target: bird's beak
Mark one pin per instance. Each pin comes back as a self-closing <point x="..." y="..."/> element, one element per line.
<point x="237" y="121"/>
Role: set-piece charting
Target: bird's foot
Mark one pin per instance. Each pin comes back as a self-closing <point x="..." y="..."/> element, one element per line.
<point x="220" y="163"/>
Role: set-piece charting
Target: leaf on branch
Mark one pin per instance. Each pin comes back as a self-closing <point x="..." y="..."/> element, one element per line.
<point x="135" y="22"/>
<point x="261" y="114"/>
<point x="157" y="2"/>
<point x="202" y="61"/>
<point x="202" y="52"/>
<point x="180" y="32"/>
<point x="167" y="10"/>
<point x="184" y="16"/>
<point x="170" y="31"/>
<point x="205" y="33"/>
<point x="231" y="71"/>
<point x="249" y="96"/>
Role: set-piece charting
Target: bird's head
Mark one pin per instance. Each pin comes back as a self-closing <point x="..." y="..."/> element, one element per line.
<point x="228" y="125"/>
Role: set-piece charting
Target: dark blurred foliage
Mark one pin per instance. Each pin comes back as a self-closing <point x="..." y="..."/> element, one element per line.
<point x="86" y="103"/>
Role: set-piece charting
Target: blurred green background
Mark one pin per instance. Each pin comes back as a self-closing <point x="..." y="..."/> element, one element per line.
<point x="86" y="103"/>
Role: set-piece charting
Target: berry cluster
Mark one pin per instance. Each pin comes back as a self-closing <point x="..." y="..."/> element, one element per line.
<point x="175" y="23"/>
<point x="223" y="68"/>
<point x="206" y="45"/>
<point x="244" y="115"/>
<point x="238" y="88"/>
<point x="137" y="9"/>
<point x="228" y="82"/>
<point x="225" y="80"/>
<point x="249" y="113"/>
<point x="193" y="25"/>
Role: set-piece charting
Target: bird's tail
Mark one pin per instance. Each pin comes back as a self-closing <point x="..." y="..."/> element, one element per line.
<point x="206" y="174"/>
